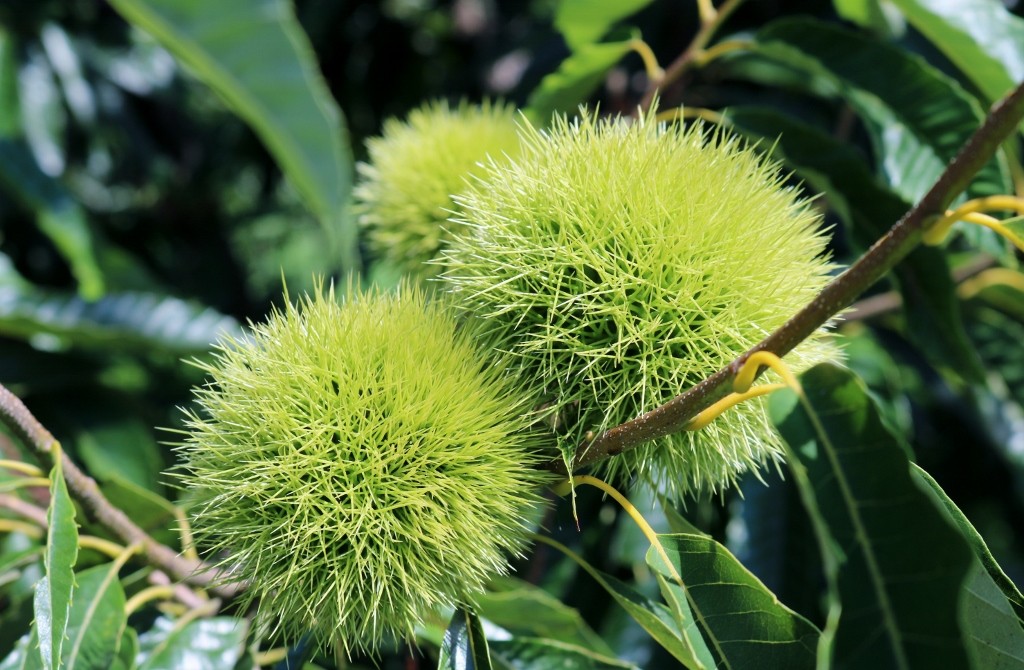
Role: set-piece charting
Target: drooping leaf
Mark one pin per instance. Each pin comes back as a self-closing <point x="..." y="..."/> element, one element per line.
<point x="901" y="563"/>
<point x="97" y="619"/>
<point x="973" y="538"/>
<point x="981" y="37"/>
<point x="52" y="603"/>
<point x="930" y="303"/>
<point x="995" y="640"/>
<point x="464" y="646"/>
<point x="256" y="57"/>
<point x="137" y="321"/>
<point x="200" y="644"/>
<point x="745" y="622"/>
<point x="918" y="118"/>
<point x="582" y="22"/>
<point x="528" y="610"/>
<point x="674" y="629"/>
<point x="575" y="79"/>
<point x="59" y="217"/>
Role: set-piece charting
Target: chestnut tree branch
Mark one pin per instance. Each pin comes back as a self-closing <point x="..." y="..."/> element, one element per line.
<point x="25" y="426"/>
<point x="905" y="234"/>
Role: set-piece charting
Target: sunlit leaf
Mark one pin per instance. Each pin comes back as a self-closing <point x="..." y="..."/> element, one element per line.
<point x="53" y="593"/>
<point x="981" y="37"/>
<point x="256" y="57"/>
<point x="744" y="621"/>
<point x="584" y="21"/>
<point x="994" y="636"/>
<point x="918" y="118"/>
<point x="531" y="653"/>
<point x="901" y="564"/>
<point x="200" y="644"/>
<point x="575" y="79"/>
<point x="138" y="321"/>
<point x="97" y="619"/>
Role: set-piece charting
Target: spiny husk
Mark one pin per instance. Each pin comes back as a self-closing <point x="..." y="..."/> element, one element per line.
<point x="359" y="464"/>
<point x="404" y="195"/>
<point x="619" y="263"/>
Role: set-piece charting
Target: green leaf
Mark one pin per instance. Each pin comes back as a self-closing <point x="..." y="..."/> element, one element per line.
<point x="97" y="619"/>
<point x="52" y="602"/>
<point x="927" y="483"/>
<point x="199" y="644"/>
<point x="901" y="564"/>
<point x="135" y="321"/>
<point x="464" y="646"/>
<point x="563" y="90"/>
<point x="835" y="169"/>
<point x="528" y="610"/>
<point x="256" y="57"/>
<point x="530" y="653"/>
<point x="995" y="640"/>
<point x="582" y="22"/>
<point x="918" y="118"/>
<point x="127" y="650"/>
<point x="981" y="37"/>
<point x="674" y="630"/>
<point x="746" y="623"/>
<point x="59" y="217"/>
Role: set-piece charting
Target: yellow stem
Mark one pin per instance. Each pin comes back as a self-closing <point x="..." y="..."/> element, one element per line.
<point x="146" y="595"/>
<point x="745" y="377"/>
<point x="22" y="467"/>
<point x="690" y="113"/>
<point x="188" y="546"/>
<point x="111" y="549"/>
<point x="707" y="12"/>
<point x="270" y="656"/>
<point x="991" y="277"/>
<point x="24" y="483"/>
<point x="972" y="211"/>
<point x="711" y="413"/>
<point x="23" y="527"/>
<point x="635" y="514"/>
<point x="708" y="55"/>
<point x="654" y="71"/>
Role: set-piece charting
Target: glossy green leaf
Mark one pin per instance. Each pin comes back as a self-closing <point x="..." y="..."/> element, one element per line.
<point x="52" y="603"/>
<point x="576" y="78"/>
<point x="584" y="21"/>
<point x="530" y="653"/>
<point x="981" y="37"/>
<point x="59" y="217"/>
<point x="918" y="118"/>
<point x="256" y="57"/>
<point x="675" y="628"/>
<point x="97" y="619"/>
<point x="836" y="170"/>
<point x="744" y="621"/>
<point x="901" y="563"/>
<point x="10" y="116"/>
<point x="136" y="321"/>
<point x="995" y="640"/>
<point x="200" y="644"/>
<point x="464" y="646"/>
<point x="528" y="610"/>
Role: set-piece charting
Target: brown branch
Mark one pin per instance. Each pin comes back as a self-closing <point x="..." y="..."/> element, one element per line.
<point x="677" y="67"/>
<point x="20" y="420"/>
<point x="23" y="508"/>
<point x="901" y="239"/>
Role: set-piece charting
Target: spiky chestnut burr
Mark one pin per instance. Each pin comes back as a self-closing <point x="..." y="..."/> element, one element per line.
<point x="620" y="262"/>
<point x="359" y="463"/>
<point x="404" y="195"/>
